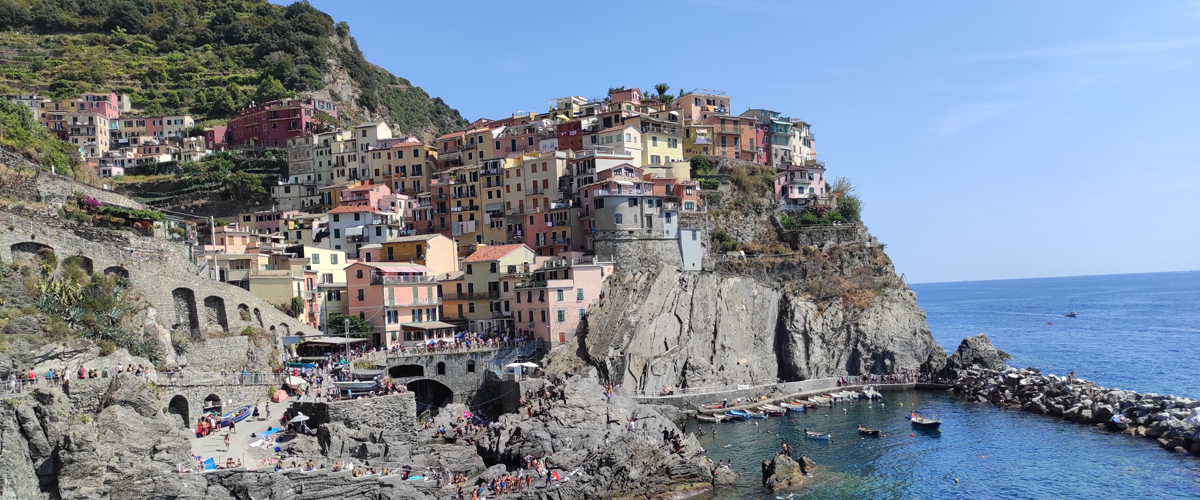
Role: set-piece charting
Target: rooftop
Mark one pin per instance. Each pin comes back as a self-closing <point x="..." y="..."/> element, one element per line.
<point x="349" y="210"/>
<point x="496" y="252"/>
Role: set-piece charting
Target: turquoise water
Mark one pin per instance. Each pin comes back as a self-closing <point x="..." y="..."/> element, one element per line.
<point x="1133" y="331"/>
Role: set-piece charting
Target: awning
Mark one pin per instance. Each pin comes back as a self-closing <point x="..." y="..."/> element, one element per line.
<point x="405" y="269"/>
<point x="353" y="230"/>
<point x="427" y="325"/>
<point x="333" y="340"/>
<point x="623" y="183"/>
<point x="561" y="117"/>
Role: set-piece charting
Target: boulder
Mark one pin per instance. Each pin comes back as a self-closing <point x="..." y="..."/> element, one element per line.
<point x="783" y="472"/>
<point x="976" y="352"/>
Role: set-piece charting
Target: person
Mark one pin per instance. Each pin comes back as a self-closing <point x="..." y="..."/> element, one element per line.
<point x="268" y="411"/>
<point x="255" y="414"/>
<point x="232" y="427"/>
<point x="227" y="441"/>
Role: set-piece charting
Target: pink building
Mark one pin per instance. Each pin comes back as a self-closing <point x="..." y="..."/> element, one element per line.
<point x="399" y="300"/>
<point x="104" y="104"/>
<point x="273" y="123"/>
<point x="214" y="138"/>
<point x="366" y="195"/>
<point x="795" y="186"/>
<point x="552" y="301"/>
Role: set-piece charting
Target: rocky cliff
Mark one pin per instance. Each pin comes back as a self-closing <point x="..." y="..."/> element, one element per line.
<point x="791" y="303"/>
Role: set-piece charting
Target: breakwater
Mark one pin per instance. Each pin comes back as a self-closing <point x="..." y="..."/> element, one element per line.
<point x="1172" y="421"/>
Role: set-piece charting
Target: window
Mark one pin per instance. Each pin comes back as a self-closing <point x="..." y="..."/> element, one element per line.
<point x="333" y="258"/>
<point x="316" y="257"/>
<point x="633" y="202"/>
<point x="441" y="368"/>
<point x="542" y="298"/>
<point x="337" y="233"/>
<point x="360" y="294"/>
<point x="582" y="312"/>
<point x="470" y="268"/>
<point x="519" y="320"/>
<point x="518" y="297"/>
<point x="470" y="307"/>
<point x="543" y="316"/>
<point x="358" y="274"/>
<point x="560" y="296"/>
<point x="470" y="366"/>
<point x="562" y="316"/>
<point x="617" y="219"/>
<point x="578" y="294"/>
<point x="337" y="218"/>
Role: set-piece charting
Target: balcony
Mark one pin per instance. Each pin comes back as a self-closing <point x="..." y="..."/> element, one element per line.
<point x="531" y="284"/>
<point x="383" y="279"/>
<point x="411" y="302"/>
<point x="472" y="295"/>
<point x="562" y="241"/>
<point x="622" y="192"/>
<point x="356" y="238"/>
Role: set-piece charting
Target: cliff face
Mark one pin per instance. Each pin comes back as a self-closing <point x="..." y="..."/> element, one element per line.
<point x="834" y="308"/>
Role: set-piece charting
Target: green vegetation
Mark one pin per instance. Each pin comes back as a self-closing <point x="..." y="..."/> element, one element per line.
<point x="22" y="134"/>
<point x="239" y="176"/>
<point x="358" y="327"/>
<point x="206" y="57"/>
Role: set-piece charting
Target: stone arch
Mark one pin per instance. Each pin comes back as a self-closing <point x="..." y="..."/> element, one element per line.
<point x="212" y="402"/>
<point x="85" y="263"/>
<point x="430" y="394"/>
<point x="244" y="312"/>
<point x="214" y="313"/>
<point x="284" y="329"/>
<point x="179" y="406"/>
<point x="470" y="366"/>
<point x="28" y="251"/>
<point x="258" y="317"/>
<point x="186" y="315"/>
<point x="401" y="371"/>
<point x="441" y="368"/>
<point x="120" y="272"/>
<point x="272" y="331"/>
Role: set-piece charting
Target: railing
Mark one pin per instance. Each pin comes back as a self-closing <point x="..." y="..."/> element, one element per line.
<point x="531" y="284"/>
<point x="456" y="347"/>
<point x="562" y="241"/>
<point x="607" y="192"/>
<point x="378" y="279"/>
<point x="472" y="295"/>
<point x="419" y="301"/>
<point x="356" y="238"/>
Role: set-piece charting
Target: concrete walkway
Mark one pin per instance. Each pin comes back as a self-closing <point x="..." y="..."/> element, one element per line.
<point x="213" y="445"/>
<point x="805" y="394"/>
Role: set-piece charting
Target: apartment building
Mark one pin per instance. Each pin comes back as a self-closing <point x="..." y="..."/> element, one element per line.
<point x="272" y="124"/>
<point x="476" y="295"/>
<point x="399" y="300"/>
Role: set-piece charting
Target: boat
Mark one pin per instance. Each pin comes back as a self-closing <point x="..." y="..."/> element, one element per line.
<point x="236" y="415"/>
<point x="711" y="418"/>
<point x="357" y="385"/>
<point x="756" y="414"/>
<point x="738" y="415"/>
<point x="793" y="406"/>
<point x="871" y="393"/>
<point x="1071" y="314"/>
<point x="821" y="400"/>
<point x="773" y="410"/>
<point x="868" y="431"/>
<point x="816" y="435"/>
<point x="923" y="422"/>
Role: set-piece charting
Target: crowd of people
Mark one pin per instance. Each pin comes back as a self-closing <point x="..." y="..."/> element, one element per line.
<point x="57" y="376"/>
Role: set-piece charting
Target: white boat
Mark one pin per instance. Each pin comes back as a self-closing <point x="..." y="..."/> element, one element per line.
<point x="816" y="435"/>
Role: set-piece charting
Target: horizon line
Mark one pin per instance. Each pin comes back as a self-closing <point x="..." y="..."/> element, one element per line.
<point x="1053" y="277"/>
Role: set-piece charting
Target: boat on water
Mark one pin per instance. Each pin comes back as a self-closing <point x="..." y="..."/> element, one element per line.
<point x="1071" y="314"/>
<point x="868" y="431"/>
<point x="824" y="436"/>
<point x="924" y="422"/>
<point x="821" y="400"/>
<point x="756" y="414"/>
<point x="793" y="406"/>
<point x="738" y="415"/>
<point x="772" y="410"/>
<point x="871" y="393"/>
<point x="711" y="418"/>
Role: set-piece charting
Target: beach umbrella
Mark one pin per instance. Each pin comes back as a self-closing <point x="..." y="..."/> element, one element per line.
<point x="295" y="382"/>
<point x="279" y="396"/>
<point x="300" y="417"/>
<point x="529" y="364"/>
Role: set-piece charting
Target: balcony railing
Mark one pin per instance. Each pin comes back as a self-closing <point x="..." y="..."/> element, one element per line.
<point x="562" y="241"/>
<point x="382" y="279"/>
<point x="608" y="192"/>
<point x="472" y="295"/>
<point x="419" y="301"/>
<point x="356" y="238"/>
<point x="531" y="284"/>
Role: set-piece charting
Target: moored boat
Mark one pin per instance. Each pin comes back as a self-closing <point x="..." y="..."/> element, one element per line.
<point x="867" y="430"/>
<point x="773" y="410"/>
<point x="738" y="415"/>
<point x="236" y="415"/>
<point x="924" y="422"/>
<point x="816" y="435"/>
<point x="792" y="406"/>
<point x="711" y="418"/>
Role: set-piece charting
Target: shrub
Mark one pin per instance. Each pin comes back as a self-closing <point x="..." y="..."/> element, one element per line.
<point x="107" y="347"/>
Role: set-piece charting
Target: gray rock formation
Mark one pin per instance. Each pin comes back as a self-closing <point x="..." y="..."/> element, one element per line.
<point x="707" y="329"/>
<point x="782" y="472"/>
<point x="977" y="353"/>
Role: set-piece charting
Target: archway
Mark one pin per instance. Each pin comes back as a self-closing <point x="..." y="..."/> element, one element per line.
<point x="179" y="406"/>
<point x="186" y="315"/>
<point x="29" y="251"/>
<point x="120" y="272"/>
<point x="83" y="263"/>
<point x="430" y="394"/>
<point x="284" y="329"/>
<point x="441" y="368"/>
<point x="212" y="403"/>
<point x="258" y="317"/>
<point x="403" y="371"/>
<point x="244" y="312"/>
<point x="214" y="313"/>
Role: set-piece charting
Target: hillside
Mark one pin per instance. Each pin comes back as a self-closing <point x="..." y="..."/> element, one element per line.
<point x="204" y="57"/>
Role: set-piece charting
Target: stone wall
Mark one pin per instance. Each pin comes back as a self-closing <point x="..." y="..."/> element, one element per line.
<point x="637" y="253"/>
<point x="185" y="401"/>
<point x="41" y="185"/>
<point x="228" y="353"/>
<point x="455" y="374"/>
<point x="160" y="272"/>
<point x="392" y="411"/>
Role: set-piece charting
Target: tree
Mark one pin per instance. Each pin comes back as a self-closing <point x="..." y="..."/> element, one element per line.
<point x="850" y="207"/>
<point x="269" y="89"/>
<point x="358" y="327"/>
<point x="663" y="96"/>
<point x="244" y="186"/>
<point x="841" y="186"/>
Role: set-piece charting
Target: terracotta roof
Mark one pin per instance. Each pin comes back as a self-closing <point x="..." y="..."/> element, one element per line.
<point x="492" y="252"/>
<point x="452" y="134"/>
<point x="364" y="187"/>
<point x="344" y="209"/>
<point x="618" y="127"/>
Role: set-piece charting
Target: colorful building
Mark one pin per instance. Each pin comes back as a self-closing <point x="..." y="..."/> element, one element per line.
<point x="273" y="123"/>
<point x="399" y="300"/>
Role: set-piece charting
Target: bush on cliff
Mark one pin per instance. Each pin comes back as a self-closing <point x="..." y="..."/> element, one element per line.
<point x="22" y="134"/>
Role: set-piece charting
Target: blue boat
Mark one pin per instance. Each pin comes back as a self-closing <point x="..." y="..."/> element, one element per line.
<point x="236" y="415"/>
<point x="738" y="415"/>
<point x="756" y="414"/>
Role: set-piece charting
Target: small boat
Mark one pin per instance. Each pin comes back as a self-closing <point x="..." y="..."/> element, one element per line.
<point x="773" y="410"/>
<point x="923" y="422"/>
<point x="793" y="406"/>
<point x="357" y="385"/>
<point x="868" y="431"/>
<point x="738" y="415"/>
<point x="711" y="418"/>
<point x="816" y="435"/>
<point x="756" y="414"/>
<point x="871" y="393"/>
<point x="1071" y="314"/>
<point x="236" y="415"/>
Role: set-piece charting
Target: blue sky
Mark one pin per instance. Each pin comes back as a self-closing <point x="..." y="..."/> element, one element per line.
<point x="988" y="140"/>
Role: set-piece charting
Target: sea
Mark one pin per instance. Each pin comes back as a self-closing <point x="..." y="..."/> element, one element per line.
<point x="1133" y="331"/>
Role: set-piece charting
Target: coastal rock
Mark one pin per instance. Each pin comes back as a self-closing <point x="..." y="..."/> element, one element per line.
<point x="976" y="352"/>
<point x="783" y="472"/>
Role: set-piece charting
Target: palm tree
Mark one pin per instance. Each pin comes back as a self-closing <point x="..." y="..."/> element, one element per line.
<point x="663" y="96"/>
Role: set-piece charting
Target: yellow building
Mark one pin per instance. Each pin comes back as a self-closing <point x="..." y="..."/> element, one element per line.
<point x="481" y="287"/>
<point x="662" y="137"/>
<point x="434" y="251"/>
<point x="698" y="140"/>
<point x="300" y="230"/>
